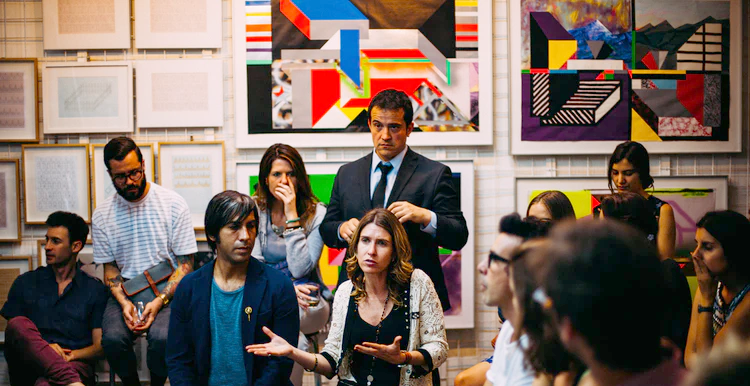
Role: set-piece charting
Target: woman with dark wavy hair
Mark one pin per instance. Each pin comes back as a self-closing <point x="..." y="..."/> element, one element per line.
<point x="289" y="216"/>
<point x="388" y="326"/>
<point x="628" y="170"/>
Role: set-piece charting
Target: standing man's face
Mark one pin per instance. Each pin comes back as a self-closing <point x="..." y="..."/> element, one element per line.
<point x="128" y="177"/>
<point x="389" y="132"/>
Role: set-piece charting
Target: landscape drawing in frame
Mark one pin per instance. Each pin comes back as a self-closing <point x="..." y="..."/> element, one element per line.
<point x="305" y="71"/>
<point x="690" y="198"/>
<point x="458" y="266"/>
<point x="589" y="75"/>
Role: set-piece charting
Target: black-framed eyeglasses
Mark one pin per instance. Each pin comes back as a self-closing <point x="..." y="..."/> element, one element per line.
<point x="134" y="175"/>
<point x="494" y="256"/>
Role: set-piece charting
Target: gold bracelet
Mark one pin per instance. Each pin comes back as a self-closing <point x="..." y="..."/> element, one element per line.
<point x="315" y="366"/>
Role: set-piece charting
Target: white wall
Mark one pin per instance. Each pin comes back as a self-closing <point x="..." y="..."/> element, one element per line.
<point x="21" y="36"/>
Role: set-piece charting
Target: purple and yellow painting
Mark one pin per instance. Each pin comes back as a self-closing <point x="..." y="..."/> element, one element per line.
<point x="641" y="70"/>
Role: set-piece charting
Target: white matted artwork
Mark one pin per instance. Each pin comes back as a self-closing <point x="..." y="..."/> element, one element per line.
<point x="103" y="187"/>
<point x="56" y="177"/>
<point x="10" y="201"/>
<point x="458" y="266"/>
<point x="453" y="107"/>
<point x="88" y="98"/>
<point x="177" y="23"/>
<point x="195" y="170"/>
<point x="180" y="93"/>
<point x="86" y="24"/>
<point x="690" y="198"/>
<point x="11" y="267"/>
<point x="18" y="92"/>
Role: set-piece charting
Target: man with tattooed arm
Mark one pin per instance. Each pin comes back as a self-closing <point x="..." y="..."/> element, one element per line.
<point x="134" y="230"/>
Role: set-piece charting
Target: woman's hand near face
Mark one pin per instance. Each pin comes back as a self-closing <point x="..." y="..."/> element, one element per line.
<point x="706" y="282"/>
<point x="276" y="347"/>
<point x="286" y="194"/>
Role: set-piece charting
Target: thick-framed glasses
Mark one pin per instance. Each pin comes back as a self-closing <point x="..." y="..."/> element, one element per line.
<point x="495" y="257"/>
<point x="134" y="175"/>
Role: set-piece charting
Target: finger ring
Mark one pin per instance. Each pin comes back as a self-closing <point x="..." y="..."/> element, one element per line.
<point x="269" y="354"/>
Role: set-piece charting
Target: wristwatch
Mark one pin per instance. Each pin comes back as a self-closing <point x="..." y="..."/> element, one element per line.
<point x="164" y="299"/>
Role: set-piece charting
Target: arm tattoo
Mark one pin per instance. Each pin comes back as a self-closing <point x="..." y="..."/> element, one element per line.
<point x="184" y="267"/>
<point x="115" y="281"/>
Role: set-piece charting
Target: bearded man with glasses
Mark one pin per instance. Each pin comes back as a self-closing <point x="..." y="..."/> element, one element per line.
<point x="141" y="226"/>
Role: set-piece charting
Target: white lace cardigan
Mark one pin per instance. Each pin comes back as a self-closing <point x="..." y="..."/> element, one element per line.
<point x="426" y="329"/>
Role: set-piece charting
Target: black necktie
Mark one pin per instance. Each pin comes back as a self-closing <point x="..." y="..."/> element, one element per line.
<point x="378" y="198"/>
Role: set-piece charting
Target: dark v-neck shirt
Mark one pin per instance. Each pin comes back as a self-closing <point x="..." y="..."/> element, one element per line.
<point x="384" y="373"/>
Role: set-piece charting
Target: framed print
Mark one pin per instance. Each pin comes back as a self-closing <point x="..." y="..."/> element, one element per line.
<point x="587" y="76"/>
<point x="88" y="98"/>
<point x="86" y="24"/>
<point x="85" y="256"/>
<point x="19" y="121"/>
<point x="55" y="177"/>
<point x="10" y="201"/>
<point x="102" y="186"/>
<point x="690" y="198"/>
<point x="11" y="267"/>
<point x="177" y="23"/>
<point x="305" y="71"/>
<point x="458" y="266"/>
<point x="195" y="170"/>
<point x="180" y="93"/>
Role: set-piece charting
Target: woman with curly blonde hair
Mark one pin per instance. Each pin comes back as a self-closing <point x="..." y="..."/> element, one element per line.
<point x="387" y="326"/>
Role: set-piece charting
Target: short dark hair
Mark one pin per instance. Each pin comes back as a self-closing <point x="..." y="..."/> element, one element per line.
<point x="632" y="209"/>
<point x="527" y="228"/>
<point x="637" y="155"/>
<point x="224" y="208"/>
<point x="730" y="229"/>
<point x="119" y="148"/>
<point x="391" y="99"/>
<point x="599" y="274"/>
<point x="556" y="202"/>
<point x="76" y="226"/>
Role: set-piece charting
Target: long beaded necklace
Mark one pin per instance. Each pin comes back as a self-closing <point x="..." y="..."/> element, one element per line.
<point x="370" y="378"/>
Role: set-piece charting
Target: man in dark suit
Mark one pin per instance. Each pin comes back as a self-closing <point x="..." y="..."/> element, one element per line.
<point x="221" y="308"/>
<point x="419" y="191"/>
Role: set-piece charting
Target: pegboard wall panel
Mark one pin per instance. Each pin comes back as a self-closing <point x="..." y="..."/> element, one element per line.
<point x="21" y="36"/>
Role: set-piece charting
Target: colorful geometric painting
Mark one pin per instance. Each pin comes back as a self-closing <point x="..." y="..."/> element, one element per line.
<point x="617" y="70"/>
<point x="313" y="65"/>
<point x="458" y="266"/>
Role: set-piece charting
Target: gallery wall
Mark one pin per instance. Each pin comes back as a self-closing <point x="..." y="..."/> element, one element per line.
<point x="21" y="35"/>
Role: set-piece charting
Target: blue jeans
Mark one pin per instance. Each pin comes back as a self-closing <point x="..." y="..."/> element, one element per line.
<point x="117" y="341"/>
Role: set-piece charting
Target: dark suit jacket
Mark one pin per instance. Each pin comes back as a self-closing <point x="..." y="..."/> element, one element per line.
<point x="420" y="181"/>
<point x="271" y="295"/>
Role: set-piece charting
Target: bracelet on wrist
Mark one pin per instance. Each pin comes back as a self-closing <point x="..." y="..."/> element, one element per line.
<point x="705" y="309"/>
<point x="292" y="220"/>
<point x="290" y="230"/>
<point x="315" y="366"/>
<point x="407" y="357"/>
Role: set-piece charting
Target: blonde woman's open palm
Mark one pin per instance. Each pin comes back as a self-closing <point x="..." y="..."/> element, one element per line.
<point x="276" y="347"/>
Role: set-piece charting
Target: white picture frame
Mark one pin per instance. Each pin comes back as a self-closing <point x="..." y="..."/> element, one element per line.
<point x="9" y="264"/>
<point x="19" y="121"/>
<point x="88" y="98"/>
<point x="102" y="186"/>
<point x="196" y="171"/>
<point x="461" y="315"/>
<point x="55" y="177"/>
<point x="86" y="25"/>
<point x="736" y="128"/>
<point x="10" y="201"/>
<point x="180" y="93"/>
<point x="245" y="140"/>
<point x="678" y="191"/>
<point x="177" y="24"/>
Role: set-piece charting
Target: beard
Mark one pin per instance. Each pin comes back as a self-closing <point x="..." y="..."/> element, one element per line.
<point x="132" y="192"/>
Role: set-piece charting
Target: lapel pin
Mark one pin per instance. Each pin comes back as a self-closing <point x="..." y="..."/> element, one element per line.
<point x="248" y="311"/>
